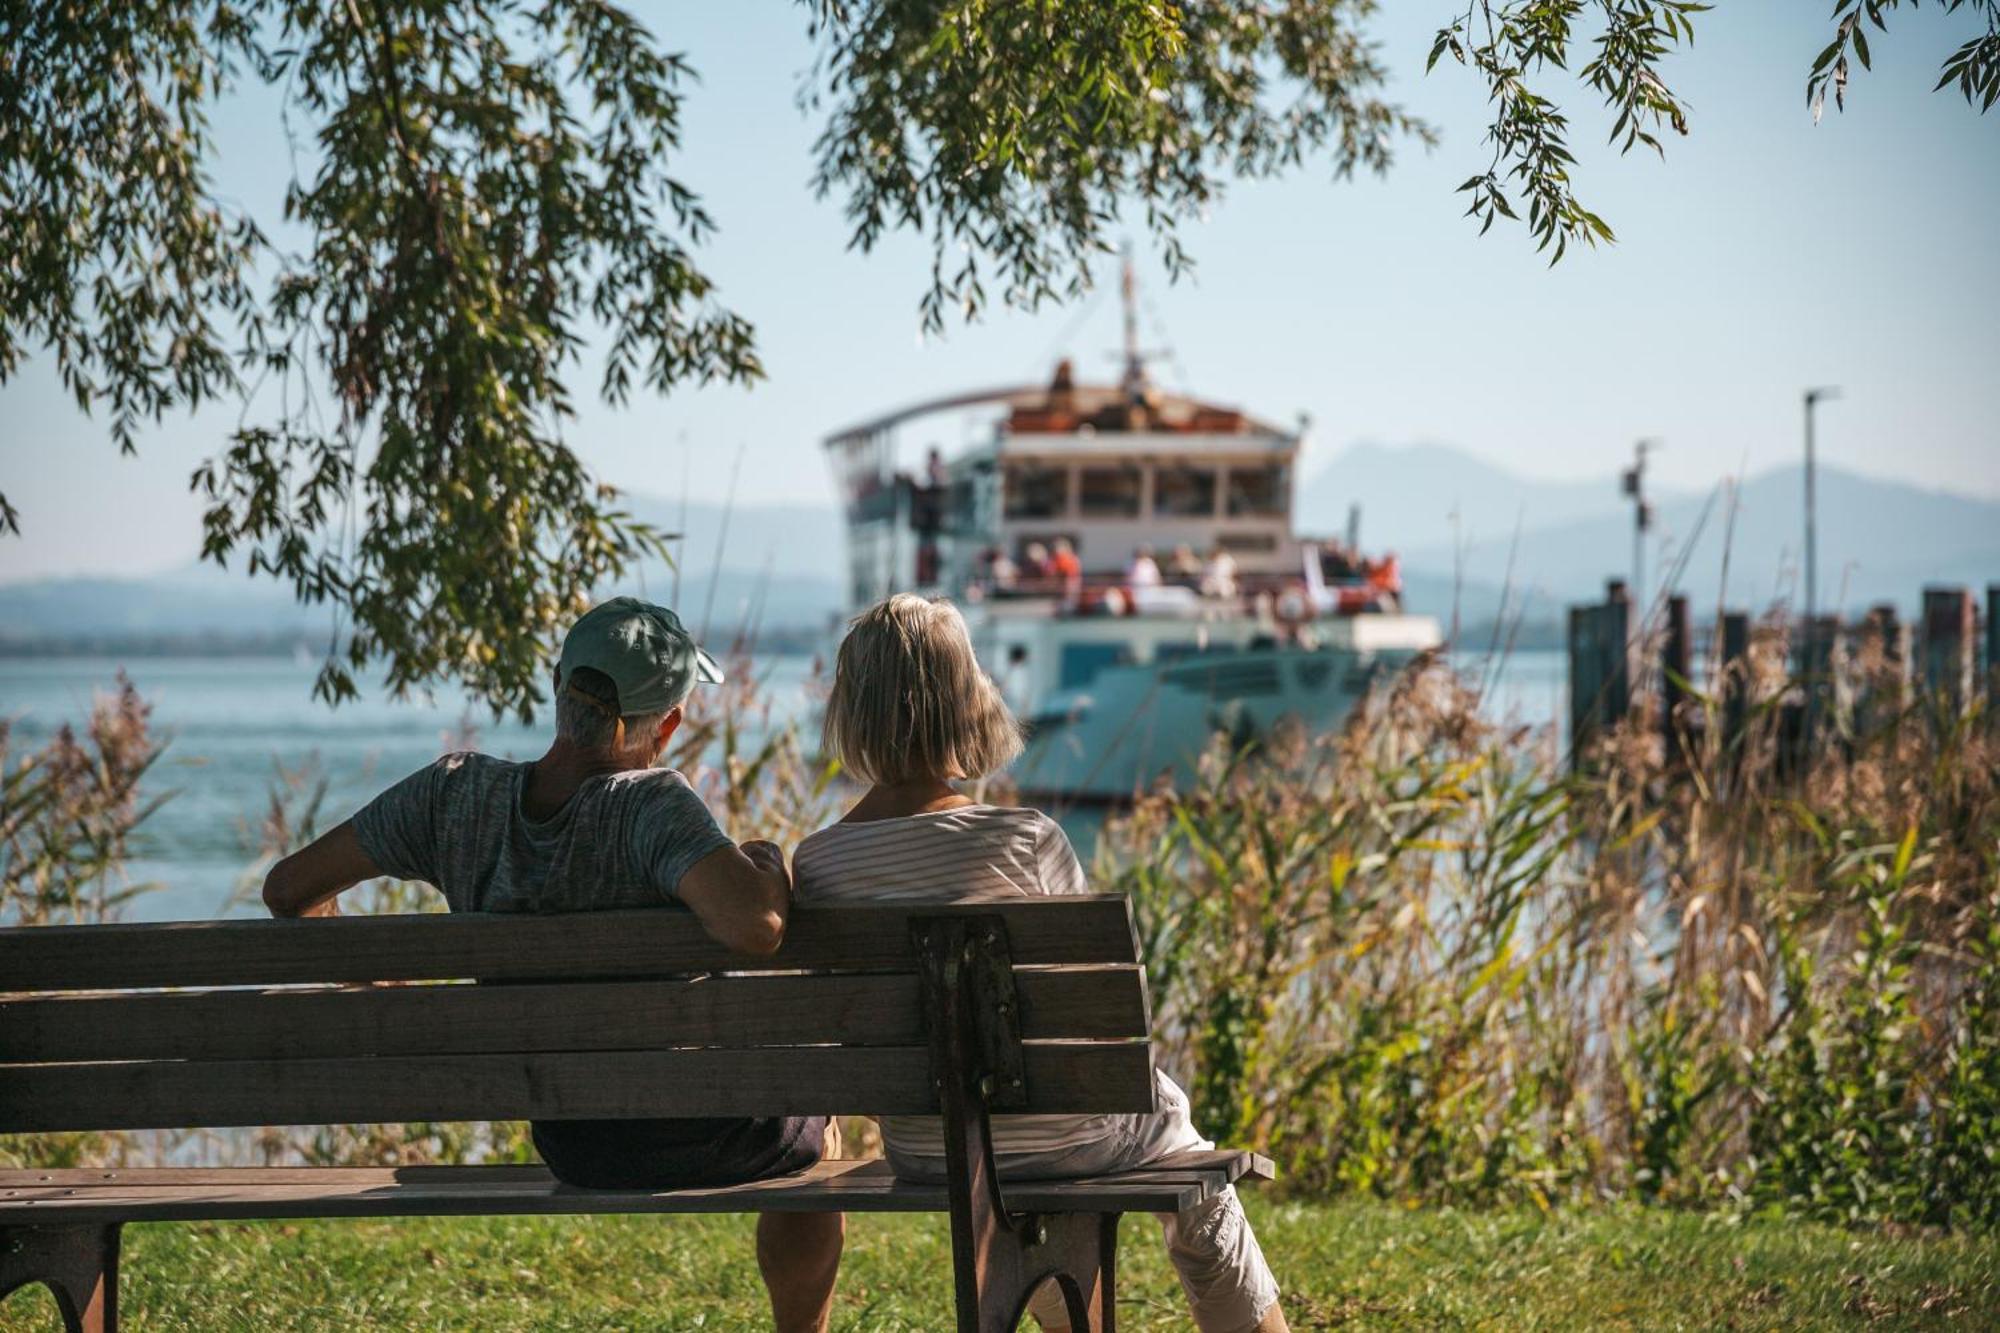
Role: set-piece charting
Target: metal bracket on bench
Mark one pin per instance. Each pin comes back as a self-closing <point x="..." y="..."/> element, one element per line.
<point x="973" y="1017"/>
<point x="969" y="955"/>
<point x="77" y="1262"/>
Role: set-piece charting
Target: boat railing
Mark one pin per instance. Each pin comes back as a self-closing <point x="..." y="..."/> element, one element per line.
<point x="1262" y="595"/>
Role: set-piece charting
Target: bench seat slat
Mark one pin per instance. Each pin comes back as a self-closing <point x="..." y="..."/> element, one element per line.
<point x="108" y="1177"/>
<point x="799" y="1009"/>
<point x="800" y="1080"/>
<point x="247" y="1193"/>
<point x="873" y="937"/>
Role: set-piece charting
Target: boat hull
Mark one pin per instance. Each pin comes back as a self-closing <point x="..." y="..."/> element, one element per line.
<point x="1137" y="724"/>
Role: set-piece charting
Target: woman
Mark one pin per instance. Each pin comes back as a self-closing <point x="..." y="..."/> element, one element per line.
<point x="911" y="714"/>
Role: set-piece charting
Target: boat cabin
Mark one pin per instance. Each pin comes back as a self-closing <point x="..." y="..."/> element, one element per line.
<point x="1106" y="470"/>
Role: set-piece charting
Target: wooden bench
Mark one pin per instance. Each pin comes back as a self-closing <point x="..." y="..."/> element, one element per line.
<point x="1022" y="1007"/>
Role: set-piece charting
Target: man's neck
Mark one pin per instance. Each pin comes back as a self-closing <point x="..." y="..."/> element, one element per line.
<point x="554" y="778"/>
<point x="895" y="800"/>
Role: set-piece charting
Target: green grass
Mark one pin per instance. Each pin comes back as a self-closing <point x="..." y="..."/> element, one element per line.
<point x="1349" y="1265"/>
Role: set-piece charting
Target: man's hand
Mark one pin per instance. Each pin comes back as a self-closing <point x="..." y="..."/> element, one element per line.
<point x="766" y="855"/>
<point x="742" y="896"/>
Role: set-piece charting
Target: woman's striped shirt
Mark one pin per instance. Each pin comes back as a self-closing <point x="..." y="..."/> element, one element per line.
<point x="972" y="853"/>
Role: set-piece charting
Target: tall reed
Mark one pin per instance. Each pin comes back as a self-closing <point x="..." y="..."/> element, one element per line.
<point x="1429" y="959"/>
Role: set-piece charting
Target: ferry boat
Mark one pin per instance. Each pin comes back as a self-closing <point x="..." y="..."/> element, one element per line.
<point x="1126" y="560"/>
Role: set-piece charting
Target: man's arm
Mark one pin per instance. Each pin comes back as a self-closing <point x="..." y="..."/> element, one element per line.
<point x="308" y="882"/>
<point x="741" y="895"/>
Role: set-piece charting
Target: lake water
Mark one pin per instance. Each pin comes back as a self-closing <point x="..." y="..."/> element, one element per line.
<point x="232" y="724"/>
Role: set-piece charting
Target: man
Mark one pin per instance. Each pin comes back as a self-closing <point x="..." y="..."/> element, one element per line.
<point x="593" y="825"/>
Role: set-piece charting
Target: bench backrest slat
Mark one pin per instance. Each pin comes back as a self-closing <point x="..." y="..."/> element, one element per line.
<point x="1077" y="1077"/>
<point x="584" y="1016"/>
<point x="502" y="947"/>
<point x="776" y="1009"/>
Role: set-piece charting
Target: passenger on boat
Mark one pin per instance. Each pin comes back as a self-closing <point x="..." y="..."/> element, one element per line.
<point x="1034" y="570"/>
<point x="1066" y="569"/>
<point x="1184" y="567"/>
<point x="1144" y="571"/>
<point x="1218" y="580"/>
<point x="1001" y="571"/>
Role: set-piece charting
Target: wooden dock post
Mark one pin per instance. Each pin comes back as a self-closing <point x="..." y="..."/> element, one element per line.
<point x="1734" y="672"/>
<point x="1676" y="671"/>
<point x="1600" y="670"/>
<point x="1993" y="654"/>
<point x="1948" y="647"/>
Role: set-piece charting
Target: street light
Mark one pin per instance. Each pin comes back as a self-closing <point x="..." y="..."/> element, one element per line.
<point x="1634" y="485"/>
<point x="1814" y="397"/>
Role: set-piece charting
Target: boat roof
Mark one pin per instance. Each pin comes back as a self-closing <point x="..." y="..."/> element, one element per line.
<point x="1045" y="409"/>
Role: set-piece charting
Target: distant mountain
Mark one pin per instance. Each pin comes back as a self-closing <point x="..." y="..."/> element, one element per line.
<point x="781" y="567"/>
<point x="1422" y="495"/>
<point x="199" y="599"/>
<point x="1879" y="540"/>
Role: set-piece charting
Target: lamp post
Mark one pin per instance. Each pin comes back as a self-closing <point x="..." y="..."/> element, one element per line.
<point x="1634" y="485"/>
<point x="1814" y="397"/>
<point x="1809" y="658"/>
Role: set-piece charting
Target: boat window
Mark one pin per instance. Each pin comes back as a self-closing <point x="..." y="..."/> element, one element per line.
<point x="1037" y="490"/>
<point x="1261" y="491"/>
<point x="1184" y="491"/>
<point x="1109" y="492"/>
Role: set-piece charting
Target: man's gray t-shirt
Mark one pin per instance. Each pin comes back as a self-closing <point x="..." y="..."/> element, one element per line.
<point x="623" y="840"/>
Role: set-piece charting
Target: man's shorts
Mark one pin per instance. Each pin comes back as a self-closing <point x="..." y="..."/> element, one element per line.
<point x="689" y="1153"/>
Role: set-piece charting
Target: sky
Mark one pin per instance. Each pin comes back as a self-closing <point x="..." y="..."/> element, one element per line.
<point x="1764" y="255"/>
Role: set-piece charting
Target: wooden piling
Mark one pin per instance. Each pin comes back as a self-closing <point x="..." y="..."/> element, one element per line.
<point x="1676" y="672"/>
<point x="1734" y="672"/>
<point x="1993" y="654"/>
<point x="1819" y="635"/>
<point x="1948" y="647"/>
<point x="1600" y="673"/>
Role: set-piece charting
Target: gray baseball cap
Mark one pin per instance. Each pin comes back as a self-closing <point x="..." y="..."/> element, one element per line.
<point x="643" y="648"/>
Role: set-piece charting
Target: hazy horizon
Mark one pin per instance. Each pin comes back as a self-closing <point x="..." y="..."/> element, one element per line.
<point x="1764" y="255"/>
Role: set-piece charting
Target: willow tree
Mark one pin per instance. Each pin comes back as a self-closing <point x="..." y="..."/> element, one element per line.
<point x="490" y="181"/>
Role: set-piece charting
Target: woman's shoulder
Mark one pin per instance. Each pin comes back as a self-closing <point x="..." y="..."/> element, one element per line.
<point x="1007" y="821"/>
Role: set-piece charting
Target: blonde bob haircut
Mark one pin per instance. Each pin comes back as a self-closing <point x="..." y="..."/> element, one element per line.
<point x="909" y="702"/>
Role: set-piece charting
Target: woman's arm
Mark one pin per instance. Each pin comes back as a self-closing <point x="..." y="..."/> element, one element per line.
<point x="310" y="880"/>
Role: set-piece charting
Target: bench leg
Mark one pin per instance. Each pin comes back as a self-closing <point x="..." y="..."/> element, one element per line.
<point x="998" y="1258"/>
<point x="78" y="1263"/>
<point x="998" y="1275"/>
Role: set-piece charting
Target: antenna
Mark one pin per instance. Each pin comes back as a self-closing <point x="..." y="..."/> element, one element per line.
<point x="1134" y="382"/>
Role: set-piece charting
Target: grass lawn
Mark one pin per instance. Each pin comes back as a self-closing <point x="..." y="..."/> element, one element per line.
<point x="1346" y="1265"/>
